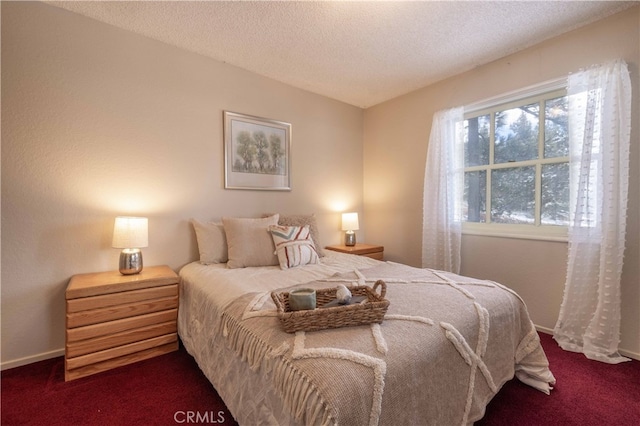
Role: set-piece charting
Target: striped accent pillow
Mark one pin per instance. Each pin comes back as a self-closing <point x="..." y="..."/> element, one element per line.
<point x="294" y="246"/>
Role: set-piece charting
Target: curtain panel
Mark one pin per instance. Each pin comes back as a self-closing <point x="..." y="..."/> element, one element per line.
<point x="599" y="140"/>
<point x="443" y="192"/>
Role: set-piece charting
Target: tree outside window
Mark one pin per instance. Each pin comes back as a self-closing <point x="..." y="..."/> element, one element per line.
<point x="516" y="163"/>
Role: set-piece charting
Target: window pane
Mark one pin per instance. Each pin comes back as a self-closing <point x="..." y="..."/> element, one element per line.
<point x="517" y="134"/>
<point x="513" y="195"/>
<point x="476" y="141"/>
<point x="555" y="194"/>
<point x="475" y="196"/>
<point x="556" y="130"/>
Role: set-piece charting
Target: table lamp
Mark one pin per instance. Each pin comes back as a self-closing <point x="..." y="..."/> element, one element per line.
<point x="350" y="224"/>
<point x="130" y="234"/>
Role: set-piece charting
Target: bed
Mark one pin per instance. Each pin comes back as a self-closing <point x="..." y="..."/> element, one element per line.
<point x="446" y="346"/>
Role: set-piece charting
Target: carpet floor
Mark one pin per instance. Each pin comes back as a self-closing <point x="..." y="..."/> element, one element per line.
<point x="170" y="390"/>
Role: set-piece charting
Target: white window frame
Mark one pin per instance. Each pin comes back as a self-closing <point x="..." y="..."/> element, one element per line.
<point x="553" y="88"/>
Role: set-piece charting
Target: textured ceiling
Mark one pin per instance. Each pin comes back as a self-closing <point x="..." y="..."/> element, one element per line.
<point x="358" y="52"/>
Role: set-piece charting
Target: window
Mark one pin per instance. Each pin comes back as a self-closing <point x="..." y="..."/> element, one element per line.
<point x="516" y="164"/>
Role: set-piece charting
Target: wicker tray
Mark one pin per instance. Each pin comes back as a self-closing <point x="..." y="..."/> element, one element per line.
<point x="372" y="310"/>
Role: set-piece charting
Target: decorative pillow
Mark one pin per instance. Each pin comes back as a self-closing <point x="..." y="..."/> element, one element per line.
<point x="302" y="220"/>
<point x="212" y="242"/>
<point x="294" y="245"/>
<point x="249" y="242"/>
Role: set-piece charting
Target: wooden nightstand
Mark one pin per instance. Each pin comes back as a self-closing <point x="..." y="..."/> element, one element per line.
<point x="115" y="319"/>
<point x="368" y="250"/>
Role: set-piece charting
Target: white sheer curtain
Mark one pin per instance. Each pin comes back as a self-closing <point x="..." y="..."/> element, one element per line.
<point x="443" y="191"/>
<point x="599" y="129"/>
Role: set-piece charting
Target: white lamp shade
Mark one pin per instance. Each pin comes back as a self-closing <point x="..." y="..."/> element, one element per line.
<point x="130" y="232"/>
<point x="350" y="222"/>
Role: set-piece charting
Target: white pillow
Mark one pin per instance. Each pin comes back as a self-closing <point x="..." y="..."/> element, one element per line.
<point x="301" y="220"/>
<point x="249" y="242"/>
<point x="212" y="242"/>
<point x="294" y="245"/>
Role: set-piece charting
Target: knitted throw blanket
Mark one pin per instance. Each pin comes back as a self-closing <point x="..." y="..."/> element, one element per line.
<point x="446" y="346"/>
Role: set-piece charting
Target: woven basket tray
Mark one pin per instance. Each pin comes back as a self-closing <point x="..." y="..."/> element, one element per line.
<point x="372" y="310"/>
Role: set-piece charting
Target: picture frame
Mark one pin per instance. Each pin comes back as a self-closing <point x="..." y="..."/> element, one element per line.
<point x="257" y="153"/>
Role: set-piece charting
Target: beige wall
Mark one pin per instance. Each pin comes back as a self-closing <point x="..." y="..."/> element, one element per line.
<point x="395" y="144"/>
<point x="98" y="122"/>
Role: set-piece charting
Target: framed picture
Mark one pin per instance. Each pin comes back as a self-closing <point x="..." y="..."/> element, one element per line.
<point x="257" y="153"/>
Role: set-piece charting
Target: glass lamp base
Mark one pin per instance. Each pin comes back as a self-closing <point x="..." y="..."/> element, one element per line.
<point x="130" y="261"/>
<point x="350" y="239"/>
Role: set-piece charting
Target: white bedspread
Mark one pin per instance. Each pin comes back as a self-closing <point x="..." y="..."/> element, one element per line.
<point x="222" y="327"/>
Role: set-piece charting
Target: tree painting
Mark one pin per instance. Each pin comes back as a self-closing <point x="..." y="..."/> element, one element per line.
<point x="260" y="150"/>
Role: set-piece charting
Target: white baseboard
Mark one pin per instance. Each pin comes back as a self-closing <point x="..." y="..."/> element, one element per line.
<point x="544" y="329"/>
<point x="623" y="352"/>
<point x="31" y="359"/>
<point x="629" y="354"/>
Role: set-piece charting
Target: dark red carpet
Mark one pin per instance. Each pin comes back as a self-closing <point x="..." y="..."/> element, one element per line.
<point x="160" y="391"/>
<point x="170" y="390"/>
<point x="587" y="393"/>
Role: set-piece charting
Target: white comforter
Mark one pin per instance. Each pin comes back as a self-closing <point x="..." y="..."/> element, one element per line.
<point x="244" y="379"/>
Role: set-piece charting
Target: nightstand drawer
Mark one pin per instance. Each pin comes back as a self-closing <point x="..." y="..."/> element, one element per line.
<point x="377" y="255"/>
<point x="94" y="302"/>
<point x="96" y="330"/>
<point x="95" y="316"/>
<point x="100" y="356"/>
<point x="71" y="374"/>
<point x="367" y="250"/>
<point x="83" y="347"/>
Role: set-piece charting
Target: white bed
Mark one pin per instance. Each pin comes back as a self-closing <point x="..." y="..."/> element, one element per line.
<point x="446" y="346"/>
